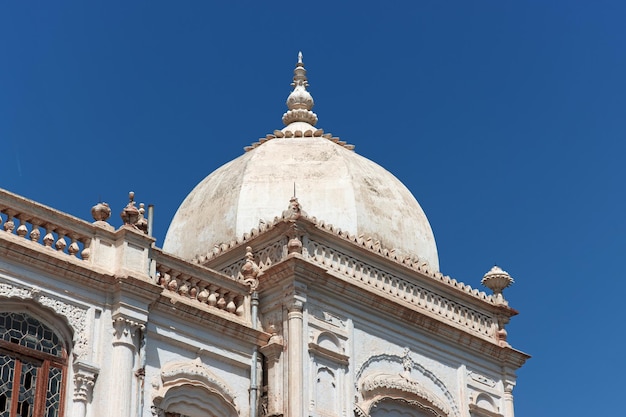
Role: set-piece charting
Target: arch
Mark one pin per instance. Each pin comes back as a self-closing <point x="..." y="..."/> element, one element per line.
<point x="400" y="371"/>
<point x="389" y="407"/>
<point x="195" y="401"/>
<point x="329" y="341"/>
<point x="47" y="316"/>
<point x="381" y="389"/>
<point x="69" y="320"/>
<point x="33" y="360"/>
<point x="485" y="402"/>
<point x="189" y="388"/>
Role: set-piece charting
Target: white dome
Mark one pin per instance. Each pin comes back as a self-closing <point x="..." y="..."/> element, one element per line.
<point x="333" y="184"/>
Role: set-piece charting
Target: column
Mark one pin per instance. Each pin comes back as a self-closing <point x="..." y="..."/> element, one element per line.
<point x="125" y="335"/>
<point x="294" y="358"/>
<point x="508" y="399"/>
<point x="272" y="352"/>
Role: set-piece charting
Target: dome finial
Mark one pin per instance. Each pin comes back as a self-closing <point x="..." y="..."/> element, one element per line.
<point x="300" y="102"/>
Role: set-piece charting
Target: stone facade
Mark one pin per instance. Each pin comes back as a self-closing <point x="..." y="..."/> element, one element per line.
<point x="295" y="318"/>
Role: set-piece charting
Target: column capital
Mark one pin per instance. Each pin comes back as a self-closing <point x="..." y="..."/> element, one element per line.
<point x="125" y="330"/>
<point x="296" y="305"/>
<point x="85" y="375"/>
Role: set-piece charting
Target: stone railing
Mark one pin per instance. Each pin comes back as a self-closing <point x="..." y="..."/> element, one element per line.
<point x="202" y="286"/>
<point x="45" y="226"/>
<point x="397" y="287"/>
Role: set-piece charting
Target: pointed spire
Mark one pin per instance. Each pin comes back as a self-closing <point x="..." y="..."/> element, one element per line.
<point x="300" y="102"/>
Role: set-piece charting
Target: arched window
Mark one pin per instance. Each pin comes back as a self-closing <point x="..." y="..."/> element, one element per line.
<point x="33" y="363"/>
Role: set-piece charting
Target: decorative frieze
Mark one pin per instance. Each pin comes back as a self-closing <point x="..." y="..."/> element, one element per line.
<point x="264" y="258"/>
<point x="396" y="287"/>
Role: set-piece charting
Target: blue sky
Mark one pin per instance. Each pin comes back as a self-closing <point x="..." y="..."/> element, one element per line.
<point x="505" y="119"/>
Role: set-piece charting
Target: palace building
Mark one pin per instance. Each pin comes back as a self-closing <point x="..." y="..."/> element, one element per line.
<point x="261" y="302"/>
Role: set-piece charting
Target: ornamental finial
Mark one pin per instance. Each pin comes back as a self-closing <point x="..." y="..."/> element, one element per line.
<point x="497" y="280"/>
<point x="300" y="102"/>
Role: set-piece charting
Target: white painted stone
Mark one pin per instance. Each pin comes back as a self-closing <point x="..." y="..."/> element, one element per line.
<point x="332" y="184"/>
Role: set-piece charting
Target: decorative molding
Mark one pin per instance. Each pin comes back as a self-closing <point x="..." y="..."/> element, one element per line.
<point x="406" y="362"/>
<point x="192" y="373"/>
<point x="365" y="242"/>
<point x="477" y="411"/>
<point x="394" y="286"/>
<point x="76" y="316"/>
<point x="333" y="356"/>
<point x="84" y="380"/>
<point x="380" y="386"/>
<point x="264" y="258"/>
<point x="326" y="317"/>
<point x="125" y="331"/>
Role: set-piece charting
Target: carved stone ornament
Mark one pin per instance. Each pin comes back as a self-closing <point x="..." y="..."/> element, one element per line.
<point x="300" y="102"/>
<point x="134" y="217"/>
<point x="192" y="374"/>
<point x="250" y="270"/>
<point x="84" y="381"/>
<point x="125" y="331"/>
<point x="76" y="316"/>
<point x="101" y="213"/>
<point x="382" y="386"/>
<point x="375" y="381"/>
<point x="497" y="280"/>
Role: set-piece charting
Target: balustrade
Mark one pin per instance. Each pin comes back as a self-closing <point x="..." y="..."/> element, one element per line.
<point x="39" y="224"/>
<point x="205" y="291"/>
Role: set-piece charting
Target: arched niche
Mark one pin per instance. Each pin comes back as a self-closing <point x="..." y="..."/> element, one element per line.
<point x="327" y="340"/>
<point x="189" y="388"/>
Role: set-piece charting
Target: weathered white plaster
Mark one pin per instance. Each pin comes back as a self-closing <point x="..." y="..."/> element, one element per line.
<point x="346" y="324"/>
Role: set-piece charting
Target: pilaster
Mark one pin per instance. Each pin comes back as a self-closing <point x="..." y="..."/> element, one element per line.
<point x="126" y="334"/>
<point x="295" y="361"/>
<point x="84" y="380"/>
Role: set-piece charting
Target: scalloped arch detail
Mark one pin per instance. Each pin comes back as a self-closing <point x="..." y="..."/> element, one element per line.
<point x="401" y="386"/>
<point x="379" y="387"/>
<point x="189" y="387"/>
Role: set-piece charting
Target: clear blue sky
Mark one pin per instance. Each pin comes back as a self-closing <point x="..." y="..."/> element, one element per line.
<point x="506" y="119"/>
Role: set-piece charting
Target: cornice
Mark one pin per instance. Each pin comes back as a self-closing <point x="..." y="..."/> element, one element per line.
<point x="288" y="272"/>
<point x="23" y="253"/>
<point x="407" y="266"/>
<point x="228" y="324"/>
